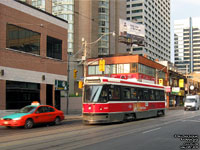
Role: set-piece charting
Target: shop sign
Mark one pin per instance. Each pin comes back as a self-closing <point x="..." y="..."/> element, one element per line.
<point x="60" y="85"/>
<point x="175" y="90"/>
<point x="168" y="89"/>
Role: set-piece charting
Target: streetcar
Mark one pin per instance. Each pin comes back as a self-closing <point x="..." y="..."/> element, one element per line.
<point x="108" y="100"/>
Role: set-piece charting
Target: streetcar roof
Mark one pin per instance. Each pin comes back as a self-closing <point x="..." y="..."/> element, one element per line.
<point x="117" y="81"/>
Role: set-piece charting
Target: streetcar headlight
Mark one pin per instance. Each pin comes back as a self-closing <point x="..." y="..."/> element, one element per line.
<point x="1" y="118"/>
<point x="89" y="107"/>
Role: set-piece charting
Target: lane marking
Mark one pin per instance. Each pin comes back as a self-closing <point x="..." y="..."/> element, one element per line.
<point x="151" y="130"/>
<point x="191" y="120"/>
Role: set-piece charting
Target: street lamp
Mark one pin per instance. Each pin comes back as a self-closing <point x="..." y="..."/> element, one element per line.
<point x="84" y="57"/>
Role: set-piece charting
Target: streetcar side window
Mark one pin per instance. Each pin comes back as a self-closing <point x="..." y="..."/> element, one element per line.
<point x="114" y="93"/>
<point x="158" y="95"/>
<point x="103" y="98"/>
<point x="162" y="96"/>
<point x="152" y="95"/>
<point x="145" y="94"/>
<point x="126" y="93"/>
<point x="140" y="94"/>
<point x="133" y="93"/>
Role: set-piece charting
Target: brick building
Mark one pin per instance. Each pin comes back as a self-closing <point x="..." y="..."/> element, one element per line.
<point x="33" y="55"/>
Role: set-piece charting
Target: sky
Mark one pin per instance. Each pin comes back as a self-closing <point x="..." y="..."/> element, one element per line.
<point x="182" y="9"/>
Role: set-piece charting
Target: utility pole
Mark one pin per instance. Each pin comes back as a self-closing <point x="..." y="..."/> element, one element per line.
<point x="84" y="58"/>
<point x="68" y="72"/>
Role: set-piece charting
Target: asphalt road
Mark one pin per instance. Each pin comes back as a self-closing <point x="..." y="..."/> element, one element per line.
<point x="178" y="129"/>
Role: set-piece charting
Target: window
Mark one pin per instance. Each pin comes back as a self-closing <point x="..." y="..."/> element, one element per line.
<point x="140" y="94"/>
<point x="136" y="5"/>
<point x="146" y="94"/>
<point x="126" y="93"/>
<point x="114" y="92"/>
<point x="54" y="48"/>
<point x="22" y="39"/>
<point x="134" y="68"/>
<point x="40" y="110"/>
<point x="158" y="98"/>
<point x="133" y="93"/>
<point x="49" y="109"/>
<point x="152" y="95"/>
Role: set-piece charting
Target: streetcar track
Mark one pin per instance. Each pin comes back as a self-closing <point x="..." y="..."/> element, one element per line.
<point x="62" y="142"/>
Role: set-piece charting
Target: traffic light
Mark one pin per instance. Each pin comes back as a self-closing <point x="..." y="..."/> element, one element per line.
<point x="161" y="82"/>
<point x="101" y="65"/>
<point x="80" y="84"/>
<point x="75" y="73"/>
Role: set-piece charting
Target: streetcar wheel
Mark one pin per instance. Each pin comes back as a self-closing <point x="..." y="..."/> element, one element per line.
<point x="57" y="121"/>
<point x="28" y="124"/>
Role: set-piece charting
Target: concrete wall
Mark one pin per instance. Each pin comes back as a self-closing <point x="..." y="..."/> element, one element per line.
<point x="75" y="105"/>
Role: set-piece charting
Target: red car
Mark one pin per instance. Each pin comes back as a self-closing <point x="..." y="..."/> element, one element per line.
<point x="33" y="114"/>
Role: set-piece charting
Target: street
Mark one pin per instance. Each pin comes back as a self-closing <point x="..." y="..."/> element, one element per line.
<point x="177" y="129"/>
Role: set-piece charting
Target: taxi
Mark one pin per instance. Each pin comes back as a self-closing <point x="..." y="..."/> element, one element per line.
<point x="33" y="114"/>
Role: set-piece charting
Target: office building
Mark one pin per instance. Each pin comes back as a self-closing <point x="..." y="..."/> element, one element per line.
<point x="155" y="15"/>
<point x="187" y="44"/>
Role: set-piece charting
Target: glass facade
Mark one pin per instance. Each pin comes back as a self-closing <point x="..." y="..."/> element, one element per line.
<point x="126" y="68"/>
<point x="65" y="10"/>
<point x="22" y="39"/>
<point x="54" y="48"/>
<point x="103" y="47"/>
<point x="39" y="4"/>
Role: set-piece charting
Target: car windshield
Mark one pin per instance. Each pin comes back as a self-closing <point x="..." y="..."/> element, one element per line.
<point x="27" y="109"/>
<point x="190" y="100"/>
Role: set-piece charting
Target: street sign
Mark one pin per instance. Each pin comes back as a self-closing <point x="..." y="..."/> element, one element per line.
<point x="60" y="85"/>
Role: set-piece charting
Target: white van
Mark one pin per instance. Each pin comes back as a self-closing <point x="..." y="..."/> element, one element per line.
<point x="192" y="102"/>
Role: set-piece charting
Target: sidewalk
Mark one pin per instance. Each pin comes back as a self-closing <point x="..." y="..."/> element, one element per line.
<point x="73" y="117"/>
<point x="176" y="108"/>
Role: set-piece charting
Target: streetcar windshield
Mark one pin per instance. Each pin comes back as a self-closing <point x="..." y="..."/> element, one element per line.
<point x="92" y="93"/>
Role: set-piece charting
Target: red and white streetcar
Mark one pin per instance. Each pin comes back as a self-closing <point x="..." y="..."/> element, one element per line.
<point x="113" y="100"/>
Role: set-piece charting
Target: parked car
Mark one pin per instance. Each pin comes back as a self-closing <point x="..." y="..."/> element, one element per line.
<point x="33" y="114"/>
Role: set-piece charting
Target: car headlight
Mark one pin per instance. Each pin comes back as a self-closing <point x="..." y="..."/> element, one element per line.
<point x="16" y="118"/>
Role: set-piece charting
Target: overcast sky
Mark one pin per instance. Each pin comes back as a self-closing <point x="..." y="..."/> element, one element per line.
<point x="182" y="9"/>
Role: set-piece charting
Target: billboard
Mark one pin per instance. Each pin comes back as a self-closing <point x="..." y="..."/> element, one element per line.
<point x="131" y="30"/>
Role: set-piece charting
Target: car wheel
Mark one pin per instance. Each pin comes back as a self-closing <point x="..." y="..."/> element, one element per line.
<point x="8" y="127"/>
<point x="29" y="124"/>
<point x="57" y="121"/>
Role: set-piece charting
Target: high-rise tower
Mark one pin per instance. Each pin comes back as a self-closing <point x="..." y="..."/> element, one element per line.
<point x="187" y="44"/>
<point x="155" y="15"/>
